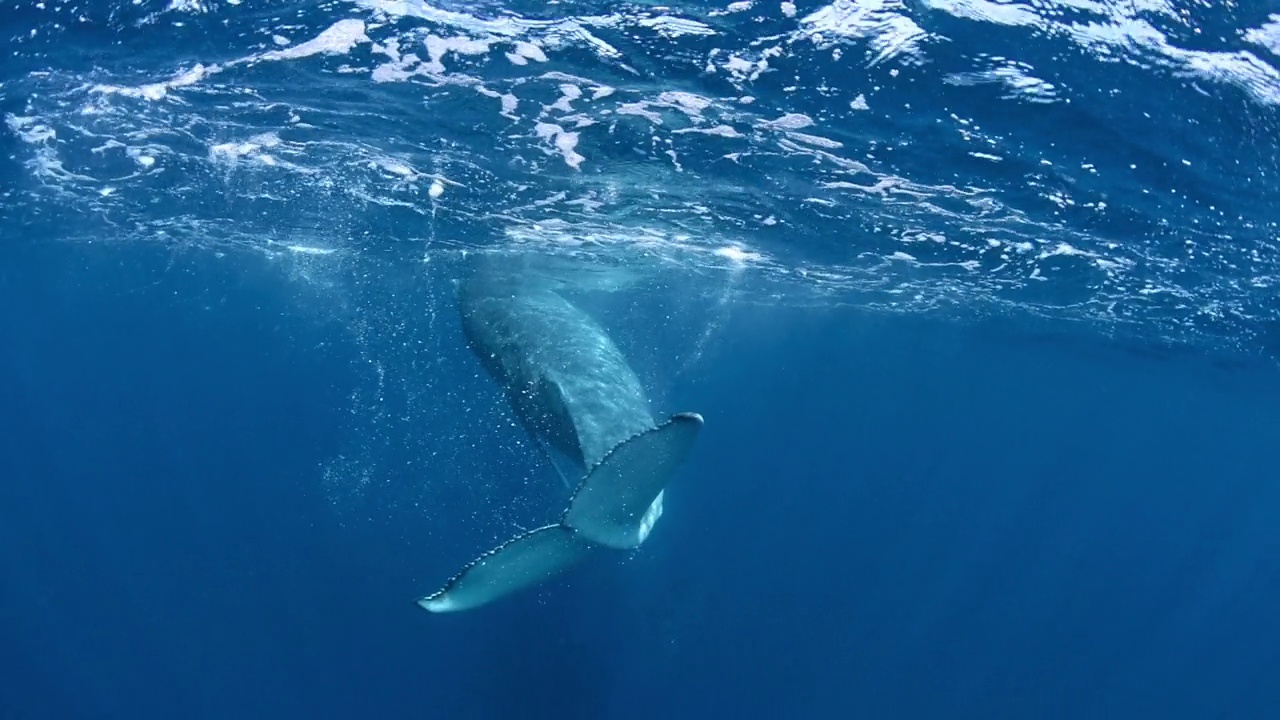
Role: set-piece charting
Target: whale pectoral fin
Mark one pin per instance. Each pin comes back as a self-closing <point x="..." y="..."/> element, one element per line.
<point x="618" y="501"/>
<point x="557" y="420"/>
<point x="518" y="563"/>
<point x="551" y="460"/>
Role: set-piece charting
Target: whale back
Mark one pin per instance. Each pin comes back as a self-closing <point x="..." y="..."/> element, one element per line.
<point x="565" y="379"/>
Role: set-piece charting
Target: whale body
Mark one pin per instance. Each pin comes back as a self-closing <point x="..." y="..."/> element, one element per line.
<point x="566" y="380"/>
<point x="571" y="388"/>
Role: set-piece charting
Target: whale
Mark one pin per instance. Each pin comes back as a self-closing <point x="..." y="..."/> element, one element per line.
<point x="573" y="391"/>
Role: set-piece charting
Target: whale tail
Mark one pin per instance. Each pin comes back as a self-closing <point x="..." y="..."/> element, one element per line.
<point x="618" y="502"/>
<point x="615" y="506"/>
<point x="521" y="561"/>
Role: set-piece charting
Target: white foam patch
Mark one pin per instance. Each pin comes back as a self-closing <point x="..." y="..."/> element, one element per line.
<point x="524" y="52"/>
<point x="157" y="91"/>
<point x="737" y="254"/>
<point x="883" y="23"/>
<point x="565" y="143"/>
<point x="719" y="131"/>
<point x="438" y="47"/>
<point x="1266" y="35"/>
<point x="309" y="250"/>
<point x="1122" y="30"/>
<point x="255" y="149"/>
<point x="509" y="104"/>
<point x="398" y="168"/>
<point x="30" y="130"/>
<point x="338" y="39"/>
<point x="733" y="7"/>
<point x="509" y="27"/>
<point x="1000" y="13"/>
<point x="789" y="121"/>
<point x="673" y="27"/>
<point x="847" y="164"/>
<point x="815" y="140"/>
<point x="639" y="109"/>
<point x="187" y="6"/>
<point x="740" y="69"/>
<point x="509" y="101"/>
<point x="1015" y="77"/>
<point x="674" y="247"/>
<point x="141" y="157"/>
<point x="398" y="68"/>
<point x="688" y="103"/>
<point x="568" y="93"/>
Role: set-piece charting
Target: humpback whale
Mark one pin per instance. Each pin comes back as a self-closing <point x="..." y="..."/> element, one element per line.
<point x="571" y="389"/>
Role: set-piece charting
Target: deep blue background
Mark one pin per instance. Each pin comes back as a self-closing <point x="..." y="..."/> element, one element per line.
<point x="886" y="516"/>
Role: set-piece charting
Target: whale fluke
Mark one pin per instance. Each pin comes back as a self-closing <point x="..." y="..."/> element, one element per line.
<point x="521" y="561"/>
<point x="615" y="506"/>
<point x="618" y="501"/>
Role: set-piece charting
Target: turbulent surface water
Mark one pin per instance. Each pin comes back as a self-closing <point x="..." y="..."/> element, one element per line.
<point x="1083" y="160"/>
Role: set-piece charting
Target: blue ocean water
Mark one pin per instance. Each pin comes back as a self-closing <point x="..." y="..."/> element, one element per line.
<point x="978" y="299"/>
